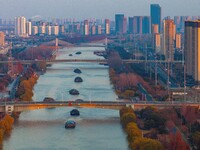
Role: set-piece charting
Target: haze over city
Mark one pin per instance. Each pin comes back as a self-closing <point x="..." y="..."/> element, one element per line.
<point x="81" y="9"/>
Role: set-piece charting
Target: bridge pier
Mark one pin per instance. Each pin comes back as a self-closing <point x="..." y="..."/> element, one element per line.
<point x="130" y="105"/>
<point x="9" y="109"/>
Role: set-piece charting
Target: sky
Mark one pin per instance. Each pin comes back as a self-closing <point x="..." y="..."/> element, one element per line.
<point x="83" y="9"/>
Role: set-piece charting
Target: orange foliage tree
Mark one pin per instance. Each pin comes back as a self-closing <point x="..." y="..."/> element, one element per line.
<point x="146" y="144"/>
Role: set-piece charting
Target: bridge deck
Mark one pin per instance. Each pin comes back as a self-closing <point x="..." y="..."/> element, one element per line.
<point x="116" y="105"/>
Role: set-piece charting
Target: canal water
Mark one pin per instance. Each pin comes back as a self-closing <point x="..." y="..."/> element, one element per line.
<point x="96" y="129"/>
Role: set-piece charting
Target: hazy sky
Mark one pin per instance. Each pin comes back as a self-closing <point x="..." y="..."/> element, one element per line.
<point x="82" y="9"/>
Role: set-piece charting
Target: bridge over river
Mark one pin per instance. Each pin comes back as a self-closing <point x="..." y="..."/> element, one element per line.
<point x="103" y="61"/>
<point x="10" y="107"/>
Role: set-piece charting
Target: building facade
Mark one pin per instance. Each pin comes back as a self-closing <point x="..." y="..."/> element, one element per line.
<point x="155" y="12"/>
<point x="86" y="28"/>
<point x="20" y="26"/>
<point x="178" y="43"/>
<point x="168" y="39"/>
<point x="2" y="38"/>
<point x="107" y="26"/>
<point x="119" y="23"/>
<point x="192" y="48"/>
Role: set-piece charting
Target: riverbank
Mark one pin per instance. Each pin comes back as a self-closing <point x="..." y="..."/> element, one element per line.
<point x="130" y="81"/>
<point x="134" y="135"/>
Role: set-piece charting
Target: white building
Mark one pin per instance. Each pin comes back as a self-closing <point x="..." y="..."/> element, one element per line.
<point x="41" y="30"/>
<point x="20" y="26"/>
<point x="48" y="30"/>
<point x="29" y="27"/>
<point x="107" y="26"/>
<point x="55" y="30"/>
<point x="34" y="30"/>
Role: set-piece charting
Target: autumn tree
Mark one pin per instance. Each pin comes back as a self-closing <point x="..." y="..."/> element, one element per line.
<point x="146" y="144"/>
<point x="133" y="131"/>
<point x="1" y="136"/>
<point x="6" y="124"/>
<point x="176" y="142"/>
<point x="127" y="118"/>
<point x="125" y="110"/>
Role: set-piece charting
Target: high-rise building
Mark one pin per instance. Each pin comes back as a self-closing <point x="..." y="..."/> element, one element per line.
<point x="155" y="12"/>
<point x="138" y="21"/>
<point x="86" y="28"/>
<point x="42" y="30"/>
<point x="146" y="25"/>
<point x="178" y="41"/>
<point x="34" y="30"/>
<point x="125" y="25"/>
<point x="192" y="48"/>
<point x="93" y="29"/>
<point x="2" y="38"/>
<point x="177" y="22"/>
<point x="119" y="23"/>
<point x="48" y="30"/>
<point x="107" y="26"/>
<point x="28" y="27"/>
<point x="98" y="29"/>
<point x="55" y="30"/>
<point x="20" y="26"/>
<point x="168" y="39"/>
<point x="130" y="25"/>
<point x="156" y="38"/>
<point x="154" y="29"/>
<point x="139" y="25"/>
<point x="157" y="42"/>
<point x="182" y="23"/>
<point x="61" y="29"/>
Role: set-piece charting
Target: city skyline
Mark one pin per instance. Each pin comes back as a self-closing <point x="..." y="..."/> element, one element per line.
<point x="93" y="9"/>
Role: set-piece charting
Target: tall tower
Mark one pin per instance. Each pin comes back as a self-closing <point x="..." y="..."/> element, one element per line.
<point x="29" y="27"/>
<point x="130" y="25"/>
<point x="146" y="25"/>
<point x="155" y="12"/>
<point x="178" y="41"/>
<point x="2" y="38"/>
<point x="168" y="39"/>
<point x="138" y="24"/>
<point x="192" y="48"/>
<point x="86" y="27"/>
<point x="119" y="23"/>
<point x="107" y="26"/>
<point x="20" y="26"/>
<point x="124" y="25"/>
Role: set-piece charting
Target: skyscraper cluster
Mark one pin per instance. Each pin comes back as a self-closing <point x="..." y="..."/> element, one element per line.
<point x="24" y="28"/>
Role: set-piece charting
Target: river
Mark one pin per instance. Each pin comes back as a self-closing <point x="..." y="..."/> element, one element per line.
<point x="96" y="129"/>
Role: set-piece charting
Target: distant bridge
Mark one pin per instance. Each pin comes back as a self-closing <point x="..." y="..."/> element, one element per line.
<point x="10" y="107"/>
<point x="103" y="61"/>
